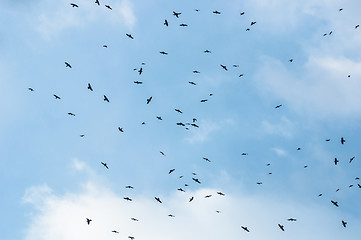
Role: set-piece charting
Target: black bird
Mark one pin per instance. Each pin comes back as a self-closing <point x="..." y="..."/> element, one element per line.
<point x="253" y="23"/>
<point x="327" y="140"/>
<point x="207" y="51"/>
<point x="194" y="120"/>
<point x="334" y="203"/>
<point x="259" y="183"/>
<point x="159" y="118"/>
<point x="291" y="60"/>
<point x="88" y="220"/>
<point x="181" y="124"/>
<point x="172" y="170"/>
<point x="281" y="227"/>
<point x="342" y="140"/>
<point x="344" y="223"/>
<point x="207" y="159"/>
<point x="193" y="83"/>
<point x="120" y="129"/>
<point x="298" y="149"/>
<point x="183" y="25"/>
<point x="165" y="22"/>
<point x="74" y="5"/>
<point x="204" y="100"/>
<point x="128" y="199"/>
<point x="134" y="219"/>
<point x="129" y="35"/>
<point x="176" y="14"/>
<point x="359" y="185"/>
<point x="241" y="75"/>
<point x="197" y="10"/>
<point x="242" y="13"/>
<point x="105" y="165"/>
<point x="30" y="89"/>
<point x="208" y="196"/>
<point x="164" y="53"/>
<point x="340" y="9"/>
<point x="131" y="238"/>
<point x="56" y="97"/>
<point x="131" y="187"/>
<point x="162" y="153"/>
<point x="149" y="99"/>
<point x="177" y="110"/>
<point x="107" y="6"/>
<point x="158" y="199"/>
<point x="216" y="12"/>
<point x="105" y="46"/>
<point x="191" y="199"/>
<point x="170" y="215"/>
<point x="357" y="26"/>
<point x="292" y="219"/>
<point x="336" y="161"/>
<point x="67" y="65"/>
<point x="138" y="82"/>
<point x="140" y="71"/>
<point x="234" y="65"/>
<point x="351" y="159"/>
<point x="90" y="87"/>
<point x="71" y="114"/>
<point x="97" y="2"/>
<point x="244" y="154"/>
<point x="278" y="106"/>
<point x="224" y="67"/>
<point x="220" y="193"/>
<point x="195" y="71"/>
<point x="106" y="99"/>
<point x="180" y="189"/>
<point x="81" y="135"/>
<point x="245" y="229"/>
<point x="115" y="231"/>
<point x="248" y="29"/>
<point x="196" y="180"/>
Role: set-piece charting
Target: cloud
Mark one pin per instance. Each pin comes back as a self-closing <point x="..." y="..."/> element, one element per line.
<point x="64" y="216"/>
<point x="284" y="127"/>
<point x="279" y="151"/>
<point x="202" y="133"/>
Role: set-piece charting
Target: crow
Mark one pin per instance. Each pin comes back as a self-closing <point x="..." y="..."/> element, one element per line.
<point x="97" y="2"/>
<point x="193" y="83"/>
<point x="71" y="114"/>
<point x="115" y="231"/>
<point x="159" y="118"/>
<point x="278" y="106"/>
<point x="134" y="219"/>
<point x="30" y="89"/>
<point x="336" y="161"/>
<point x="172" y="170"/>
<point x="131" y="187"/>
<point x="342" y="140"/>
<point x="164" y="53"/>
<point x="183" y="25"/>
<point x="344" y="223"/>
<point x="292" y="219"/>
<point x="138" y="82"/>
<point x="196" y="180"/>
<point x="120" y="129"/>
<point x="207" y="51"/>
<point x="191" y="199"/>
<point x="177" y="110"/>
<point x="204" y="100"/>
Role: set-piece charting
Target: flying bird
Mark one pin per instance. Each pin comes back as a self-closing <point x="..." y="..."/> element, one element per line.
<point x="196" y="180"/>
<point x="278" y="106"/>
<point x="90" y="87"/>
<point x="216" y="12"/>
<point x="134" y="219"/>
<point x="172" y="170"/>
<point x="334" y="203"/>
<point x="176" y="14"/>
<point x="342" y="140"/>
<point x="71" y="114"/>
<point x="149" y="99"/>
<point x="242" y="13"/>
<point x="281" y="227"/>
<point x="129" y="36"/>
<point x="351" y="159"/>
<point x="164" y="53"/>
<point x="207" y="159"/>
<point x="105" y="165"/>
<point x="290" y="60"/>
<point x="158" y="199"/>
<point x="56" y="96"/>
<point x="74" y="5"/>
<point x="344" y="223"/>
<point x="208" y="196"/>
<point x="97" y="2"/>
<point x="120" y="129"/>
<point x="292" y="219"/>
<point x="224" y="67"/>
<point x="183" y="25"/>
<point x="115" y="231"/>
<point x="131" y="237"/>
<point x="245" y="229"/>
<point x="128" y="199"/>
<point x="336" y="161"/>
<point x="253" y="23"/>
<point x="138" y="82"/>
<point x="181" y="124"/>
<point x="204" y="100"/>
<point x="170" y="215"/>
<point x="180" y="189"/>
<point x="107" y="6"/>
<point x="67" y="65"/>
<point x="106" y="99"/>
<point x="105" y="46"/>
<point x="30" y="89"/>
<point x="193" y="83"/>
<point x="88" y="220"/>
<point x="357" y="26"/>
<point x="195" y="71"/>
<point x="159" y="118"/>
<point x="177" y="110"/>
<point x="207" y="51"/>
<point x="162" y="153"/>
<point x="165" y="22"/>
<point x="220" y="193"/>
<point x="191" y="199"/>
<point x="131" y="187"/>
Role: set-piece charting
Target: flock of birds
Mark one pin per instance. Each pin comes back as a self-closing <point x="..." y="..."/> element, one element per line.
<point x="193" y="122"/>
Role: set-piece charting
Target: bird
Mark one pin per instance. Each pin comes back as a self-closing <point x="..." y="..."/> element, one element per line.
<point x="344" y="223"/>
<point x="172" y="170"/>
<point x="224" y="67"/>
<point x="245" y="229"/>
<point x="177" y="110"/>
<point x="90" y="87"/>
<point x="159" y="117"/>
<point x="129" y="35"/>
<point x="30" y="89"/>
<point x="248" y="29"/>
<point x="67" y="65"/>
<point x="235" y="65"/>
<point x="242" y="13"/>
<point x="340" y="9"/>
<point x="105" y="46"/>
<point x="259" y="183"/>
<point x="88" y="220"/>
<point x="191" y="199"/>
<point x="357" y="26"/>
<point x="81" y="135"/>
<point x="298" y="149"/>
<point x="342" y="140"/>
<point x="208" y="196"/>
<point x="131" y="237"/>
<point x="107" y="6"/>
<point x="158" y="199"/>
<point x="290" y="60"/>
<point x="115" y="231"/>
<point x="336" y="161"/>
<point x="195" y="71"/>
<point x="131" y="187"/>
<point x="162" y="153"/>
<point x="140" y="71"/>
<point x="196" y="180"/>
<point x="71" y="114"/>
<point x="183" y="25"/>
<point x="207" y="51"/>
<point x="165" y="22"/>
<point x="278" y="106"/>
<point x="335" y="203"/>
<point x="193" y="83"/>
<point x="128" y="199"/>
<point x="351" y="159"/>
<point x="56" y="96"/>
<point x="105" y="165"/>
<point x="120" y="129"/>
<point x="204" y="100"/>
<point x="220" y="193"/>
<point x="327" y="140"/>
<point x="292" y="219"/>
<point x="244" y="154"/>
<point x="194" y="120"/>
<point x="216" y="12"/>
<point x="97" y="2"/>
<point x="164" y="53"/>
<point x="138" y="82"/>
<point x="180" y="124"/>
<point x="149" y="99"/>
<point x="253" y="23"/>
<point x="134" y="219"/>
<point x="181" y="189"/>
<point x="170" y="215"/>
<point x="106" y="99"/>
<point x="74" y="5"/>
<point x="176" y="14"/>
<point x="207" y="159"/>
<point x="281" y="227"/>
<point x="320" y="195"/>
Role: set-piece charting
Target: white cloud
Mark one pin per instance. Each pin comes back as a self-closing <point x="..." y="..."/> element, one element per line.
<point x="284" y="127"/>
<point x="202" y="133"/>
<point x="279" y="151"/>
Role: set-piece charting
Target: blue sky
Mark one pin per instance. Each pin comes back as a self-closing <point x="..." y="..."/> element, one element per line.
<point x="52" y="179"/>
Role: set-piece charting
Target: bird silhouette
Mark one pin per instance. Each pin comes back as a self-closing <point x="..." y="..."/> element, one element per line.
<point x="138" y="82"/>
<point x="336" y="161"/>
<point x="292" y="219"/>
<point x="281" y="227"/>
<point x="290" y="60"/>
<point x="106" y="99"/>
<point x="120" y="129"/>
<point x="128" y="199"/>
<point x="30" y="89"/>
<point x="131" y="237"/>
<point x="351" y="159"/>
<point x="115" y="231"/>
<point x="193" y="83"/>
<point x="67" y="65"/>
<point x="344" y="223"/>
<point x="245" y="228"/>
<point x="74" y="5"/>
<point x="278" y="106"/>
<point x="177" y="110"/>
<point x="149" y="99"/>
<point x="56" y="96"/>
<point x="134" y="219"/>
<point x="253" y="23"/>
<point x="159" y="118"/>
<point x="88" y="220"/>
<point x="129" y="36"/>
<point x="196" y="180"/>
<point x="224" y="67"/>
<point x="216" y="12"/>
<point x="164" y="53"/>
<point x="191" y="199"/>
<point x="71" y="114"/>
<point x="342" y="140"/>
<point x="335" y="203"/>
<point x="140" y="71"/>
<point x="208" y="196"/>
<point x="172" y="170"/>
<point x="176" y="14"/>
<point x="158" y="199"/>
<point x="170" y="215"/>
<point x="165" y="22"/>
<point x="90" y="87"/>
<point x="207" y="51"/>
<point x="107" y="6"/>
<point x="130" y="187"/>
<point x="220" y="193"/>
<point x="357" y="26"/>
<point x="207" y="159"/>
<point x="97" y="2"/>
<point x="242" y="13"/>
<point x="105" y="165"/>
<point x="183" y="25"/>
<point x="204" y="100"/>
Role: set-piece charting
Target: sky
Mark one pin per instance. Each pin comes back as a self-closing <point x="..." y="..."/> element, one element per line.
<point x="262" y="125"/>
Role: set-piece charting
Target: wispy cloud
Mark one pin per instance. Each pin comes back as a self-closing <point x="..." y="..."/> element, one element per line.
<point x="284" y="127"/>
<point x="202" y="134"/>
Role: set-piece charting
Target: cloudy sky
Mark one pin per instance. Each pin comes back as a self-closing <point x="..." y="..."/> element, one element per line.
<point x="271" y="163"/>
